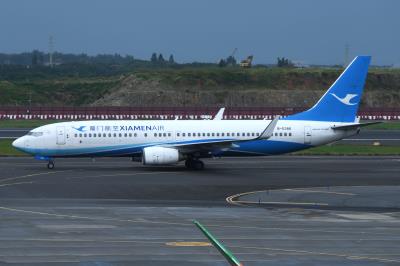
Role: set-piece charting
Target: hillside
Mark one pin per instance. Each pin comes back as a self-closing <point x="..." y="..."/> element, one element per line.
<point x="238" y="87"/>
<point x="197" y="87"/>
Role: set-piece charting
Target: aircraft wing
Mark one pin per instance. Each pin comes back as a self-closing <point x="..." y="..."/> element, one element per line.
<point x="211" y="145"/>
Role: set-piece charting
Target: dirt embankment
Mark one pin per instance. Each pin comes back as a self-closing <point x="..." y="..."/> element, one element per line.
<point x="295" y="89"/>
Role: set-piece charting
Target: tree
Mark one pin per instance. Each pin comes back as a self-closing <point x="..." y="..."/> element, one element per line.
<point x="161" y="59"/>
<point x="171" y="59"/>
<point x="222" y="63"/>
<point x="154" y="58"/>
<point x="35" y="57"/>
<point x="231" y="61"/>
<point x="284" y="62"/>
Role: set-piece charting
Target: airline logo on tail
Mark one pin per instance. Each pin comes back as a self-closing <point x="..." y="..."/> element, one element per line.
<point x="346" y="100"/>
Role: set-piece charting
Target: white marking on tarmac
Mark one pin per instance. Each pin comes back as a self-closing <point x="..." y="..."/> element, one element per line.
<point x="319" y="191"/>
<point x="345" y="256"/>
<point x="14" y="184"/>
<point x="32" y="175"/>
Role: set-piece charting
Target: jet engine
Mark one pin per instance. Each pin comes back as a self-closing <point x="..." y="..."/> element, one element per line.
<point x="160" y="155"/>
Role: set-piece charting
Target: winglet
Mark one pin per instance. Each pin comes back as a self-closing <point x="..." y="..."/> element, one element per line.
<point x="220" y="114"/>
<point x="269" y="130"/>
<point x="224" y="251"/>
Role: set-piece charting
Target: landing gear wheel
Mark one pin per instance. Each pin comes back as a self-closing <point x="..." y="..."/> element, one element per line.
<point x="50" y="165"/>
<point x="198" y="165"/>
<point x="188" y="164"/>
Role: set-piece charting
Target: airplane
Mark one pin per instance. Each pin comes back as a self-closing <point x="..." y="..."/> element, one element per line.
<point x="165" y="142"/>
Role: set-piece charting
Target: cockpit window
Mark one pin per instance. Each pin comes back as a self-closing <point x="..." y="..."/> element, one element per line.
<point x="35" y="133"/>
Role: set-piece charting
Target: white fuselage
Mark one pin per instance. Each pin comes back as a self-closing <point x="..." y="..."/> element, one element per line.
<point x="128" y="138"/>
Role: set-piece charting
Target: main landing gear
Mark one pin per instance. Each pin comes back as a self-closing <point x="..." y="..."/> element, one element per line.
<point x="50" y="164"/>
<point x="194" y="164"/>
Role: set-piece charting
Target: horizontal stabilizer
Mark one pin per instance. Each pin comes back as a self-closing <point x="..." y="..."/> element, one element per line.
<point x="355" y="126"/>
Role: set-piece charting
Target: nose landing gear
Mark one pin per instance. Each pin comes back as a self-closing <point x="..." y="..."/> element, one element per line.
<point x="50" y="161"/>
<point x="50" y="165"/>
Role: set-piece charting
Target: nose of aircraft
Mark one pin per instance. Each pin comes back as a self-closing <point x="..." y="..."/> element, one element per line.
<point x="17" y="143"/>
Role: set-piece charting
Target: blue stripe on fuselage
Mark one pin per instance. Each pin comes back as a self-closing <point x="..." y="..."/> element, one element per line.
<point x="247" y="148"/>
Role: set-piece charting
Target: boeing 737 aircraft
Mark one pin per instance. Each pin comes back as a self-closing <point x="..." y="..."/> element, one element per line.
<point x="160" y="142"/>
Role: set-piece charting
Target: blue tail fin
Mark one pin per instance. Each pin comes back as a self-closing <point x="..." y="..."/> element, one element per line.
<point x="340" y="103"/>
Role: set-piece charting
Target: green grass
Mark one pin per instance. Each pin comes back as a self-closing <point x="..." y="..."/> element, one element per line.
<point x="351" y="150"/>
<point x="6" y="149"/>
<point x="25" y="123"/>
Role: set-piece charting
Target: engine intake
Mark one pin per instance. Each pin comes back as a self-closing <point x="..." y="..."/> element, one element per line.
<point x="160" y="155"/>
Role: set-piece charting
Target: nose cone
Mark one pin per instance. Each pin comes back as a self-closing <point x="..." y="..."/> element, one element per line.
<point x="17" y="144"/>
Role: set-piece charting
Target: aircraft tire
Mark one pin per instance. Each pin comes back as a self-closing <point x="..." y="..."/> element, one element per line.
<point x="50" y="165"/>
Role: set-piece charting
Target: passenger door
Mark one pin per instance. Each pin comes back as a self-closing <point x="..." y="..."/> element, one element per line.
<point x="307" y="135"/>
<point x="60" y="132"/>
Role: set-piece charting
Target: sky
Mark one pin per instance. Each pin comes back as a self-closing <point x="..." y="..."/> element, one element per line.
<point x="307" y="31"/>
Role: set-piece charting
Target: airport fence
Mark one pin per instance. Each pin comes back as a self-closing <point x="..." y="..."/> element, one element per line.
<point x="135" y="113"/>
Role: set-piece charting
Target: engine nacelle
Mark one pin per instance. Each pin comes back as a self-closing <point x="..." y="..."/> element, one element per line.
<point x="160" y="155"/>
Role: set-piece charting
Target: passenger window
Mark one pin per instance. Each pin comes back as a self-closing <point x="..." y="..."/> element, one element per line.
<point x="135" y="135"/>
<point x="204" y="134"/>
<point x="257" y="134"/>
<point x="228" y="134"/>
<point x="109" y="135"/>
<point x="125" y="135"/>
<point x="217" y="134"/>
<point x="252" y="134"/>
<point x="280" y="134"/>
<point x="164" y="134"/>
<point x="243" y="134"/>
<point x="177" y="134"/>
<point x="189" y="134"/>
<point x="155" y="134"/>
<point x="90" y="135"/>
<point x="130" y="134"/>
<point x="85" y="135"/>
<point x="285" y="134"/>
<point x="290" y="134"/>
<point x="76" y="135"/>
<point x="94" y="135"/>
<point x="183" y="134"/>
<point x="169" y="134"/>
<point x="208" y="134"/>
<point x="213" y="134"/>
<point x="248" y="134"/>
<point x="222" y="134"/>
<point x="120" y="134"/>
<point x="145" y="135"/>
